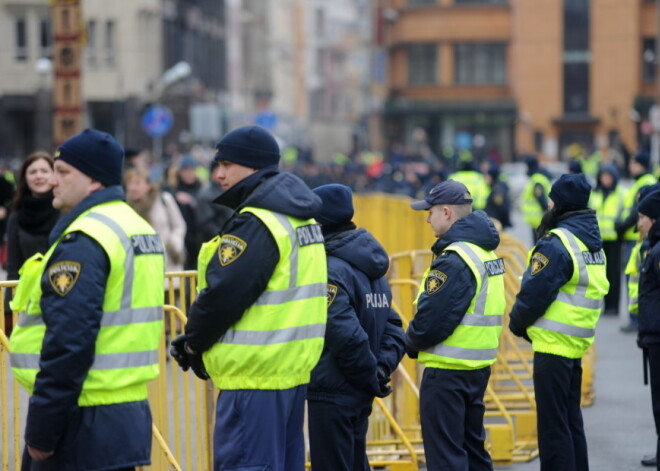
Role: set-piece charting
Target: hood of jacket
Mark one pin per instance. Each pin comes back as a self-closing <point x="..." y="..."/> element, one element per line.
<point x="359" y="249"/>
<point x="612" y="170"/>
<point x="277" y="191"/>
<point x="584" y="225"/>
<point x="476" y="228"/>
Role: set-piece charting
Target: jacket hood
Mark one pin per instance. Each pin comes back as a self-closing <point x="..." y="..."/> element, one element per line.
<point x="475" y="228"/>
<point x="359" y="249"/>
<point x="584" y="225"/>
<point x="277" y="191"/>
<point x="612" y="170"/>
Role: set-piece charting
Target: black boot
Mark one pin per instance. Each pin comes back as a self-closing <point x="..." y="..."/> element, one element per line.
<point x="650" y="460"/>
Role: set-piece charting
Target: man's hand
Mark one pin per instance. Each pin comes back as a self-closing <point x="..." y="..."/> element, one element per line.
<point x="178" y="352"/>
<point x="196" y="363"/>
<point x="39" y="455"/>
<point x="383" y="378"/>
<point x="519" y="332"/>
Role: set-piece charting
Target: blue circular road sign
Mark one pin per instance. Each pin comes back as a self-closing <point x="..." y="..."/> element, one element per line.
<point x="157" y="120"/>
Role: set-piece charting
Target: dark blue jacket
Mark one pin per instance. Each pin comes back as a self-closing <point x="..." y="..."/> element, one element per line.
<point x="87" y="438"/>
<point x="363" y="331"/>
<point x="538" y="291"/>
<point x="649" y="290"/>
<point x="439" y="314"/>
<point x="235" y="287"/>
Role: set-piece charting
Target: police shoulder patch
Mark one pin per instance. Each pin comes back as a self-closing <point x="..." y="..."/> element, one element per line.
<point x="538" y="263"/>
<point x="332" y="294"/>
<point x="231" y="247"/>
<point x="435" y="280"/>
<point x="63" y="276"/>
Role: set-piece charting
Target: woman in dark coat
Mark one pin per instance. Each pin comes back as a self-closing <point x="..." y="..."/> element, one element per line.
<point x="32" y="216"/>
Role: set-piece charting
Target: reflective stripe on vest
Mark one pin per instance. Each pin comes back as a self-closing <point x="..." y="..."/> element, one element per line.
<point x="279" y="338"/>
<point x="474" y="343"/>
<point x="568" y="326"/>
<point x="126" y="354"/>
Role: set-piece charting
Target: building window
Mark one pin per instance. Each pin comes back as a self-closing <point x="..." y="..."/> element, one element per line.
<point x="480" y="63"/>
<point x="109" y="46"/>
<point x="90" y="46"/>
<point x="416" y="3"/>
<point x="21" y="40"/>
<point x="45" y="39"/>
<point x="422" y="64"/>
<point x="577" y="56"/>
<point x="649" y="61"/>
<point x="480" y="2"/>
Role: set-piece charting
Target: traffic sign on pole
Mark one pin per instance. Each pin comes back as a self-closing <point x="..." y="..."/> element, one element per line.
<point x="157" y="120"/>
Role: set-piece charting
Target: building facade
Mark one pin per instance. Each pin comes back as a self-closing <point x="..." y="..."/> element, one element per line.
<point x="129" y="45"/>
<point x="510" y="77"/>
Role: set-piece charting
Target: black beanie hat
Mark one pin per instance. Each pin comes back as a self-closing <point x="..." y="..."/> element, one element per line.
<point x="643" y="158"/>
<point x="337" y="204"/>
<point x="250" y="146"/>
<point x="571" y="191"/>
<point x="649" y="205"/>
<point x="96" y="154"/>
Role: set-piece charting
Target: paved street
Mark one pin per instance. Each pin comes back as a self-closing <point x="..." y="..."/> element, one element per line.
<point x="619" y="425"/>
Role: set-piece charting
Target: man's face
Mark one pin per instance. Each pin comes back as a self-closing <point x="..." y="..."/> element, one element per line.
<point x="439" y="218"/>
<point x="70" y="186"/>
<point x="644" y="224"/>
<point x="227" y="174"/>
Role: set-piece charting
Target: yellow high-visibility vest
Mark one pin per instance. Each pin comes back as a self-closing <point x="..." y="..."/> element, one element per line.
<point x="279" y="339"/>
<point x="568" y="326"/>
<point x="126" y="356"/>
<point x="474" y="343"/>
<point x="531" y="209"/>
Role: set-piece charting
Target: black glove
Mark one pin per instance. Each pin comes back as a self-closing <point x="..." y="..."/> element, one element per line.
<point x="411" y="352"/>
<point x="384" y="389"/>
<point x="620" y="230"/>
<point x="197" y="365"/>
<point x="640" y="343"/>
<point x="519" y="332"/>
<point x="186" y="358"/>
<point x="178" y="352"/>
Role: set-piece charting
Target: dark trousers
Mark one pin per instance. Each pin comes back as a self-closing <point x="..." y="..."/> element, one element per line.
<point x="654" y="369"/>
<point x="260" y="430"/>
<point x="451" y="406"/>
<point x="557" y="386"/>
<point x="49" y="464"/>
<point x="612" y="249"/>
<point x="338" y="436"/>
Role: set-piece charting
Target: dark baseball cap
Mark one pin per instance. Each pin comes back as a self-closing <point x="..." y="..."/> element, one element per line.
<point x="448" y="192"/>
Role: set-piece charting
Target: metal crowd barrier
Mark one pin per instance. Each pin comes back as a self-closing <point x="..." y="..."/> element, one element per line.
<point x="183" y="406"/>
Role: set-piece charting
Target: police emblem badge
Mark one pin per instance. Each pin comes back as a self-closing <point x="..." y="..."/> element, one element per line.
<point x="435" y="280"/>
<point x="231" y="247"/>
<point x="332" y="294"/>
<point x="538" y="262"/>
<point x="63" y="276"/>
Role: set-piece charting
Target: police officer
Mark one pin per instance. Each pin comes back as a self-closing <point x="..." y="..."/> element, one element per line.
<point x="626" y="226"/>
<point x="455" y="332"/>
<point x="557" y="308"/>
<point x="86" y="342"/>
<point x="534" y="196"/>
<point x="259" y="320"/>
<point x="607" y="200"/>
<point x="363" y="339"/>
<point x="649" y="302"/>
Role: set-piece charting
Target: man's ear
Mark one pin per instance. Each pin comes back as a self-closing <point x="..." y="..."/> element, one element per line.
<point x="95" y="185"/>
